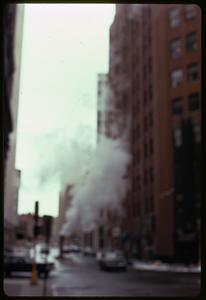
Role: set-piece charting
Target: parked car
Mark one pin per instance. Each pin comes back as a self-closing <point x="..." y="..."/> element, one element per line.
<point x="89" y="251"/>
<point x="21" y="264"/>
<point x="71" y="249"/>
<point x="112" y="260"/>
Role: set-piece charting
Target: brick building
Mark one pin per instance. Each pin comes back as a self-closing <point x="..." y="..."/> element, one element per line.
<point x="154" y="77"/>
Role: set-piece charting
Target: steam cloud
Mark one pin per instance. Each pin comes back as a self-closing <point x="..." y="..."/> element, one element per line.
<point x="103" y="189"/>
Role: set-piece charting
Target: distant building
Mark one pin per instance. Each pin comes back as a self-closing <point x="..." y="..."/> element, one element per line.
<point x="13" y="18"/>
<point x="55" y="231"/>
<point x="25" y="229"/>
<point x="155" y="80"/>
<point x="64" y="204"/>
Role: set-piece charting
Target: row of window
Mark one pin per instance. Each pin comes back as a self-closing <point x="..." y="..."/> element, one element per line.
<point x="180" y="198"/>
<point x="149" y="204"/>
<point x="148" y="123"/>
<point x="175" y="15"/>
<point x="148" y="176"/>
<point x="193" y="102"/>
<point x="148" y="148"/>
<point x="177" y="75"/>
<point x="147" y="95"/>
<point x="176" y="45"/>
<point x="178" y="135"/>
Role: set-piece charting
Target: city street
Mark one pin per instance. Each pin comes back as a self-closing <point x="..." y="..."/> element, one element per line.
<point x="102" y="150"/>
<point x="81" y="276"/>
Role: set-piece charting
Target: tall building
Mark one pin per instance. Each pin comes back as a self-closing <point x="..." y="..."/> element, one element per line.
<point x="155" y="79"/>
<point x="13" y="30"/>
<point x="183" y="66"/>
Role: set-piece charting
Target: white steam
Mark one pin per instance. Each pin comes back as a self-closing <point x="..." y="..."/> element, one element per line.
<point x="104" y="188"/>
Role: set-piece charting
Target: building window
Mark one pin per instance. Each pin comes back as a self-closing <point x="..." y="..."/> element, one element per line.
<point x="145" y="123"/>
<point x="194" y="102"/>
<point x="150" y="92"/>
<point x="177" y="106"/>
<point x="138" y="156"/>
<point x="176" y="77"/>
<point x="190" y="12"/>
<point x="146" y="204"/>
<point x="136" y="134"/>
<point x="150" y="119"/>
<point x="145" y="178"/>
<point x="174" y="17"/>
<point x="191" y="41"/>
<point x="179" y="197"/>
<point x="151" y="146"/>
<point x="151" y="203"/>
<point x="144" y="71"/>
<point x="138" y="106"/>
<point x="138" y="131"/>
<point x="197" y="133"/>
<point x="151" y="175"/>
<point x="138" y="182"/>
<point x="178" y="137"/>
<point x="153" y="223"/>
<point x="150" y="65"/>
<point x="180" y="210"/>
<point x="175" y="48"/>
<point x="192" y="72"/>
<point x="145" y="151"/>
<point x="145" y="97"/>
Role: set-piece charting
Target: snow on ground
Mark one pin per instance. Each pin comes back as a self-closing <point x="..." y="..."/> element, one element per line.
<point x="159" y="266"/>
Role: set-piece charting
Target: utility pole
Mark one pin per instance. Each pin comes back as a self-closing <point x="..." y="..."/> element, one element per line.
<point x="47" y="224"/>
<point x="34" y="274"/>
<point x="61" y="246"/>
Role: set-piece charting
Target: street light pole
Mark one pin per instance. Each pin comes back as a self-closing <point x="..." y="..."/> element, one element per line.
<point x="34" y="274"/>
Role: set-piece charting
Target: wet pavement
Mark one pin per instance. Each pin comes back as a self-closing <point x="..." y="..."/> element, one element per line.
<point x="81" y="276"/>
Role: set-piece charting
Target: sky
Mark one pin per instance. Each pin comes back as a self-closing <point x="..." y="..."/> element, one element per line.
<point x="64" y="48"/>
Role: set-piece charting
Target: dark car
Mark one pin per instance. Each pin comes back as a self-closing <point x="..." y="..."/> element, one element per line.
<point x="21" y="264"/>
<point x="112" y="260"/>
<point x="45" y="251"/>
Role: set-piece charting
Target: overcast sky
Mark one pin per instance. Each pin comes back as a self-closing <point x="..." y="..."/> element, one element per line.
<point x="65" y="46"/>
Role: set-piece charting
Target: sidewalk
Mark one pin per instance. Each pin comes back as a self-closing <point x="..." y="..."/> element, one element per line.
<point x="161" y="267"/>
<point x="21" y="287"/>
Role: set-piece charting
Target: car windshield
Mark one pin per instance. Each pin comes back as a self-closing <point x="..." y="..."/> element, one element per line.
<point x="113" y="254"/>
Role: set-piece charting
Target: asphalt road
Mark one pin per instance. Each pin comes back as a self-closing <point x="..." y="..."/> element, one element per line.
<point x="81" y="276"/>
